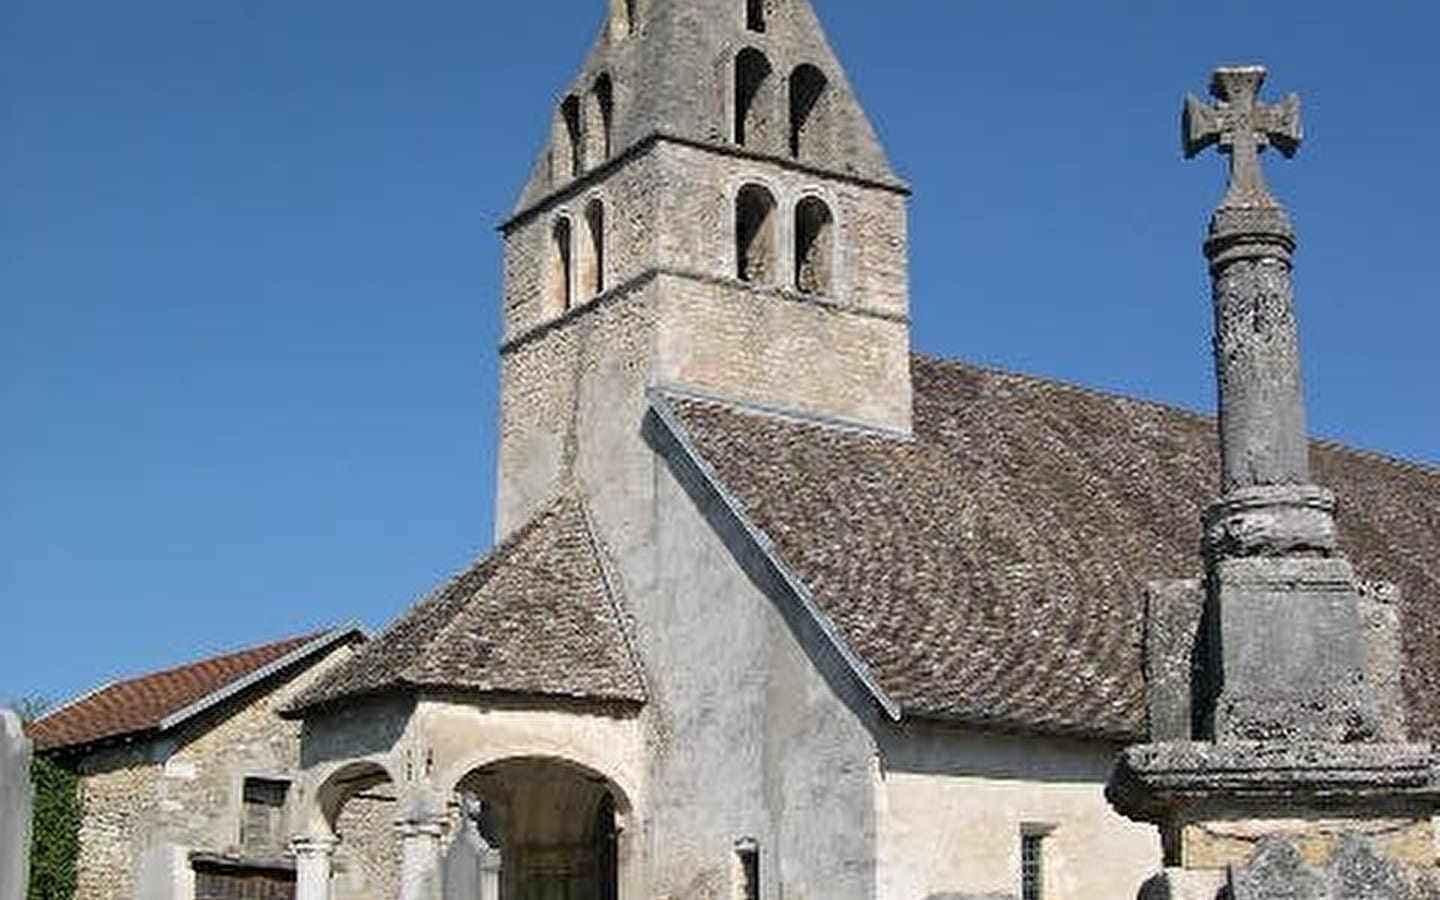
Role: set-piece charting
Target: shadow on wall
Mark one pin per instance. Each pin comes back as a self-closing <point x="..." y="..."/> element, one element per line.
<point x="354" y="730"/>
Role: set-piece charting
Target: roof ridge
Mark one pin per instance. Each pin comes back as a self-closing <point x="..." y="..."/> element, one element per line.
<point x="1329" y="443"/>
<point x="1045" y="381"/>
<point x="781" y="413"/>
<point x="298" y="640"/>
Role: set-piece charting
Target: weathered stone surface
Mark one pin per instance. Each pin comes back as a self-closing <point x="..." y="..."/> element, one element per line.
<point x="1291" y="654"/>
<point x="15" y="805"/>
<point x="1172" y="621"/>
<point x="1277" y="872"/>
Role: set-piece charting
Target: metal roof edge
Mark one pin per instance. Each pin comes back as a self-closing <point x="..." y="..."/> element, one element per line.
<point x="325" y="640"/>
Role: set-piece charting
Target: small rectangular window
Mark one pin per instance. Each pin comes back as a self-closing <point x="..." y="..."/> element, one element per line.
<point x="1032" y="861"/>
<point x="747" y="852"/>
<point x="262" y="822"/>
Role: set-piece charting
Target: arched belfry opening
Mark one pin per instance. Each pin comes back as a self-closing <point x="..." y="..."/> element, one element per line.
<point x="592" y="275"/>
<point x="560" y="281"/>
<point x="755" y="15"/>
<point x="754" y="105"/>
<point x="557" y="828"/>
<point x="600" y="119"/>
<point x="809" y="111"/>
<point x="570" y="115"/>
<point x="814" y="247"/>
<point x="755" y="234"/>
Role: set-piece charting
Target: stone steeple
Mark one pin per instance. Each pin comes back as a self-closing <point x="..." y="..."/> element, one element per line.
<point x="1294" y="777"/>
<point x="712" y="213"/>
<point x="669" y="67"/>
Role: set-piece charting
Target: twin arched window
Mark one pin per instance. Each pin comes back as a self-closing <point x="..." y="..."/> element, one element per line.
<point x="757" y="245"/>
<point x="576" y="273"/>
<point x="808" y="102"/>
<point x="584" y="137"/>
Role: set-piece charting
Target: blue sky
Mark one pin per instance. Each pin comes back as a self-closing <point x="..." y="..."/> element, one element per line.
<point x="249" y="274"/>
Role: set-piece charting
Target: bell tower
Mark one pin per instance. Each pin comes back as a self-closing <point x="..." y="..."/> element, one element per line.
<point x="712" y="213"/>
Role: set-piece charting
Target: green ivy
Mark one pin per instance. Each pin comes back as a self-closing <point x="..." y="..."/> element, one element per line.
<point x="55" y="838"/>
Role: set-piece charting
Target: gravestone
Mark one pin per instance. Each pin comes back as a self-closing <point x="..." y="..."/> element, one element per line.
<point x="15" y="804"/>
<point x="1292" y="777"/>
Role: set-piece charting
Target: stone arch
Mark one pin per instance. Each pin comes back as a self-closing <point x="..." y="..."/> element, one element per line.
<point x="814" y="247"/>
<point x="599" y="120"/>
<point x="560" y="827"/>
<point x="754" y="105"/>
<point x="809" y="112"/>
<point x="592" y="266"/>
<point x="331" y="788"/>
<point x="560" y="273"/>
<point x="755" y="234"/>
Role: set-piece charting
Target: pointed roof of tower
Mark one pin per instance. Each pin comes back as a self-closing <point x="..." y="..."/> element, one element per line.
<point x="672" y="74"/>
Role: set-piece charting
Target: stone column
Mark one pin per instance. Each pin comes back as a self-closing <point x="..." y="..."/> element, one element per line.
<point x="313" y="857"/>
<point x="15" y="807"/>
<point x="1295" y="780"/>
<point x="420" y="840"/>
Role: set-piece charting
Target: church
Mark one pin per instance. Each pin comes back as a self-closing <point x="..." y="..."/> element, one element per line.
<point x="778" y="608"/>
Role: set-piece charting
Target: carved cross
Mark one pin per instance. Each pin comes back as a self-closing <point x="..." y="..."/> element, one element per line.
<point x="1243" y="127"/>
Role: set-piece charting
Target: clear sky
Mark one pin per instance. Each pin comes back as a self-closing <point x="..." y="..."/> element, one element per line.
<point x="249" y="273"/>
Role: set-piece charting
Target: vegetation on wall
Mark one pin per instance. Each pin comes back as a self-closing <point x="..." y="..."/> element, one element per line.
<point x="55" y="824"/>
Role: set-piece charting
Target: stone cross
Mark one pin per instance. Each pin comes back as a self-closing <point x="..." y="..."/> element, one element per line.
<point x="1243" y="127"/>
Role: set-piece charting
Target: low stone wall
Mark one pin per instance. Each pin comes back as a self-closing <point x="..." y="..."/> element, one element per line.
<point x="15" y="805"/>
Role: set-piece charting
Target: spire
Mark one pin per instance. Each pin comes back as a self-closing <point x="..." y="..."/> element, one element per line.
<point x="755" y="76"/>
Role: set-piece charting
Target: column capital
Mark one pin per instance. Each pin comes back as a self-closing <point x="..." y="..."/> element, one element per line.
<point x="434" y="827"/>
<point x="311" y="846"/>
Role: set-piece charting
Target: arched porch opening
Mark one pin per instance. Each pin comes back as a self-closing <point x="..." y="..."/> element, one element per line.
<point x="554" y="829"/>
<point x="355" y="807"/>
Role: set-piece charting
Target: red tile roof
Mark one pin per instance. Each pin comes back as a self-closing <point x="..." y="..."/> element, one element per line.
<point x="142" y="704"/>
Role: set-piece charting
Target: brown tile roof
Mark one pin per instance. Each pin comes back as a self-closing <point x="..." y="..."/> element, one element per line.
<point x="142" y="704"/>
<point x="992" y="569"/>
<point x="536" y="617"/>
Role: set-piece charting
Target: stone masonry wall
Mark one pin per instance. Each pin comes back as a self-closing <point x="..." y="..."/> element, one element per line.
<point x="146" y="806"/>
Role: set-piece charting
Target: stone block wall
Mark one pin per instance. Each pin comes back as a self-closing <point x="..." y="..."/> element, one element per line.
<point x="149" y="804"/>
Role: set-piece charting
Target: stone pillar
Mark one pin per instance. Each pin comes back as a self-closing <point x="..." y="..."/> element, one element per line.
<point x="420" y="845"/>
<point x="313" y="858"/>
<point x="1295" y="779"/>
<point x="15" y="807"/>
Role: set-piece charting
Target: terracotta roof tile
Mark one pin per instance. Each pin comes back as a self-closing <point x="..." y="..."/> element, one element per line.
<point x="535" y="617"/>
<point x="141" y="704"/>
<point x="992" y="569"/>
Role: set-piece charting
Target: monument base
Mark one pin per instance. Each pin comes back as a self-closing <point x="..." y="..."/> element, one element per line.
<point x="1225" y="808"/>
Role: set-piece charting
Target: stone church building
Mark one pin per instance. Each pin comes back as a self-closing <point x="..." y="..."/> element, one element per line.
<point x="778" y="608"/>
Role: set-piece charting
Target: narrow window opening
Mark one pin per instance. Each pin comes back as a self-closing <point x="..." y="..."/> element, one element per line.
<point x="747" y="854"/>
<point x="814" y="247"/>
<point x="1032" y="865"/>
<point x="570" y="111"/>
<point x="263" y="822"/>
<point x="594" y="280"/>
<point x="752" y="112"/>
<point x="561" y="262"/>
<point x="603" y="100"/>
<point x="755" y="15"/>
<point x="807" y="119"/>
<point x="755" y="234"/>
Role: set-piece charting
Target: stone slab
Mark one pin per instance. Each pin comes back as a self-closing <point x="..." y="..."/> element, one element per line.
<point x="1152" y="782"/>
<point x="15" y="806"/>
<point x="1292" y="652"/>
<point x="1172" y="621"/>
